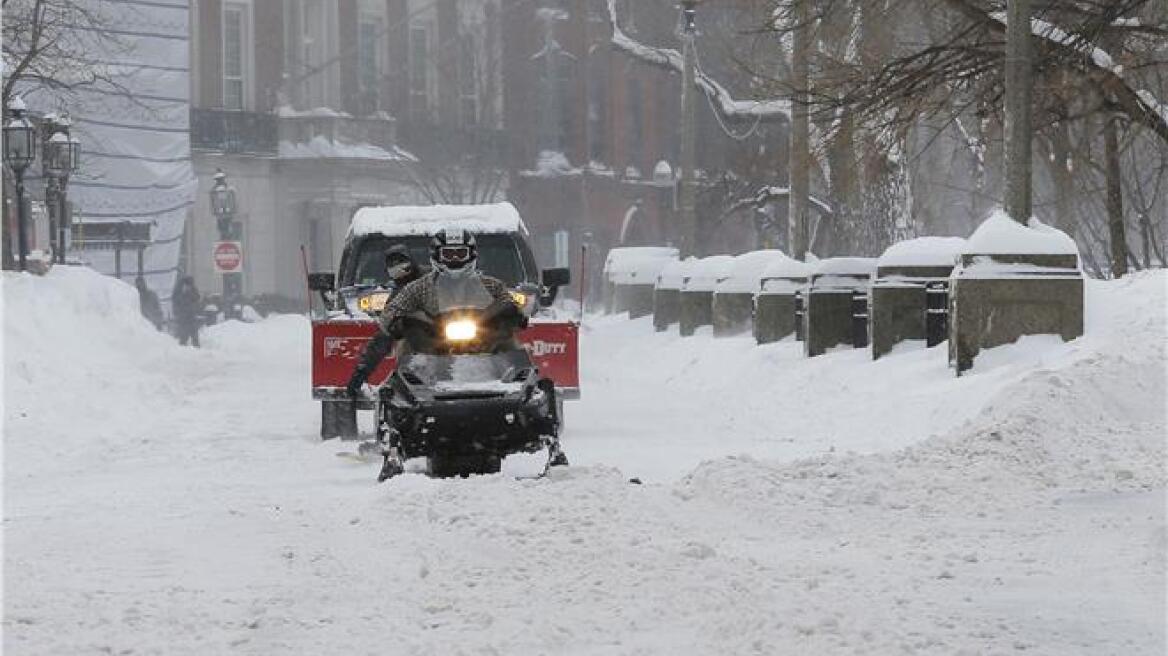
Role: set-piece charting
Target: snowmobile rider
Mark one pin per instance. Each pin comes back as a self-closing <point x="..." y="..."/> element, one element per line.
<point x="452" y="253"/>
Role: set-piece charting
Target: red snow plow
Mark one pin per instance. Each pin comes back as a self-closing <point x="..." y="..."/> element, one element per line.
<point x="354" y="297"/>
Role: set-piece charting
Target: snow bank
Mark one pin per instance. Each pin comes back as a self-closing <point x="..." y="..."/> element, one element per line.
<point x="637" y="264"/>
<point x="1001" y="235"/>
<point x="428" y="219"/>
<point x="747" y="271"/>
<point x="708" y="272"/>
<point x="923" y="252"/>
<point x="675" y="274"/>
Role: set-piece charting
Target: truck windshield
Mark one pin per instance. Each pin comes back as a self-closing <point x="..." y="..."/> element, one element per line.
<point x="498" y="257"/>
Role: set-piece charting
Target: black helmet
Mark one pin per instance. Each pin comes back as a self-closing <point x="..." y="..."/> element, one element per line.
<point x="453" y="250"/>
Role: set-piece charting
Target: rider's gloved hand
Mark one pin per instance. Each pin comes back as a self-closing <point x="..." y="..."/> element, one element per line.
<point x="354" y="387"/>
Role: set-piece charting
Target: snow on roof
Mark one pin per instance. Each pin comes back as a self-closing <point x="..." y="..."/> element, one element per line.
<point x="428" y="219"/>
<point x="923" y="252"/>
<point x="747" y="271"/>
<point x="1000" y="235"/>
<point x="675" y="273"/>
<point x="708" y="272"/>
<point x="637" y="264"/>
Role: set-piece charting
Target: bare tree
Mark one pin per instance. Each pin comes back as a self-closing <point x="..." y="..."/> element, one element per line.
<point x="49" y="47"/>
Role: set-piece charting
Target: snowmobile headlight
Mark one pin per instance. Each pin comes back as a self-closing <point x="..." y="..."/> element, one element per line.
<point x="373" y="302"/>
<point x="461" y="330"/>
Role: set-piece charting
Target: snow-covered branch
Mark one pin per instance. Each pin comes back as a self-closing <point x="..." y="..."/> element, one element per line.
<point x="673" y="60"/>
<point x="1140" y="104"/>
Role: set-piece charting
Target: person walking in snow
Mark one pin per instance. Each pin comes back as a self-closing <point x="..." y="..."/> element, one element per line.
<point x="148" y="303"/>
<point x="187" y="302"/>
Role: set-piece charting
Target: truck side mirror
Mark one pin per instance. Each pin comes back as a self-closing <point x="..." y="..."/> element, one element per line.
<point x="553" y="279"/>
<point x="322" y="282"/>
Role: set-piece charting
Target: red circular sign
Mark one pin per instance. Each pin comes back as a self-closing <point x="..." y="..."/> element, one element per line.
<point x="228" y="256"/>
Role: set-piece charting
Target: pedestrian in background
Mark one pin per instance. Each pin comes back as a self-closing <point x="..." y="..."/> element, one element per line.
<point x="188" y="305"/>
<point x="148" y="303"/>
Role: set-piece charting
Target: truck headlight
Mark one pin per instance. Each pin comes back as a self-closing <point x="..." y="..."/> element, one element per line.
<point x="461" y="330"/>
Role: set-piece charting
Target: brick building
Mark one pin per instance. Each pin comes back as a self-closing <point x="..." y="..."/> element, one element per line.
<point x="594" y="134"/>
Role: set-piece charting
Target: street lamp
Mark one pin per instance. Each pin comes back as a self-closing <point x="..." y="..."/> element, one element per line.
<point x="223" y="205"/>
<point x="19" y="154"/>
<point x="62" y="157"/>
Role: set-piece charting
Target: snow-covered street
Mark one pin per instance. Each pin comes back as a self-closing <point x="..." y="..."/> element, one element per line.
<point x="162" y="500"/>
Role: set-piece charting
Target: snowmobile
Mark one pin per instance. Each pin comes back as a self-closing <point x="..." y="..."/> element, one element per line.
<point x="465" y="394"/>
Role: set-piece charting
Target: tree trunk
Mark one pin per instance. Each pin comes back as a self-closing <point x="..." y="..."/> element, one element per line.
<point x="1115" y="225"/>
<point x="1018" y="127"/>
<point x="800" y="155"/>
<point x="1064" y="180"/>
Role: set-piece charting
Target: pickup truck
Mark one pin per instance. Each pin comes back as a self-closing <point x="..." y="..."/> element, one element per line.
<point x="355" y="294"/>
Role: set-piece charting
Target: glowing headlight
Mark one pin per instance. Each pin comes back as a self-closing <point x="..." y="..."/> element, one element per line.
<point x="519" y="298"/>
<point x="373" y="302"/>
<point x="461" y="330"/>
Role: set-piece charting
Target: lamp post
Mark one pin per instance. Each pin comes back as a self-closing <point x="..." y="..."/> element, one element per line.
<point x="223" y="205"/>
<point x="19" y="153"/>
<point x="689" y="224"/>
<point x="62" y="156"/>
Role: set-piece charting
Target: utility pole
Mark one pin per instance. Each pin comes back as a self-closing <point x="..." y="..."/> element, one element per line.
<point x="799" y="157"/>
<point x="689" y="223"/>
<point x="1018" y="128"/>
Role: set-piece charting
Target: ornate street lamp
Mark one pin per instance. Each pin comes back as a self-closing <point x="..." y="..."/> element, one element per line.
<point x="19" y="153"/>
<point x="62" y="157"/>
<point x="223" y="205"/>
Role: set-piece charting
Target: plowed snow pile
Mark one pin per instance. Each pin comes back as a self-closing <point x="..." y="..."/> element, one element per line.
<point x="161" y="500"/>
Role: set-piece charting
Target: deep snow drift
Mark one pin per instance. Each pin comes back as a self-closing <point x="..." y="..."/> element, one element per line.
<point x="166" y="500"/>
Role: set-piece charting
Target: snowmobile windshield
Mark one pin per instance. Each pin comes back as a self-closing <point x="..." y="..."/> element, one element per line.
<point x="498" y="372"/>
<point x="461" y="292"/>
<point x="499" y="257"/>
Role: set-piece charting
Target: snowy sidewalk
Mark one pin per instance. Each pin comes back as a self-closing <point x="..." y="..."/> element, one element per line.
<point x="169" y="501"/>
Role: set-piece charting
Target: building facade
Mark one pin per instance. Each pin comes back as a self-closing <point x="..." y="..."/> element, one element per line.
<point x="314" y="108"/>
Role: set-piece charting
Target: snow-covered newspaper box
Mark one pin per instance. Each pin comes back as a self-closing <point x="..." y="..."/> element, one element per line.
<point x="778" y="309"/>
<point x="697" y="293"/>
<point x="355" y="295"/>
<point x="734" y="297"/>
<point x="1013" y="280"/>
<point x="667" y="293"/>
<point x="910" y="295"/>
<point x="630" y="274"/>
<point x="835" y="311"/>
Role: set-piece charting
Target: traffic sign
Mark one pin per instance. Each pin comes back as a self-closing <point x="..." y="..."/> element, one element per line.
<point x="228" y="256"/>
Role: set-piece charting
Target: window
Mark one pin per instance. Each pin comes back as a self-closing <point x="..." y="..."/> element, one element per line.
<point x="419" y="72"/>
<point x="369" y="40"/>
<point x="468" y="82"/>
<point x="236" y="42"/>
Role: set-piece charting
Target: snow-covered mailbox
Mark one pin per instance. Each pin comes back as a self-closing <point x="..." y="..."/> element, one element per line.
<point x="835" y="305"/>
<point x="1013" y="280"/>
<point x="667" y="293"/>
<point x="777" y="307"/>
<point x="630" y="273"/>
<point x="734" y="296"/>
<point x="910" y="295"/>
<point x="697" y="293"/>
